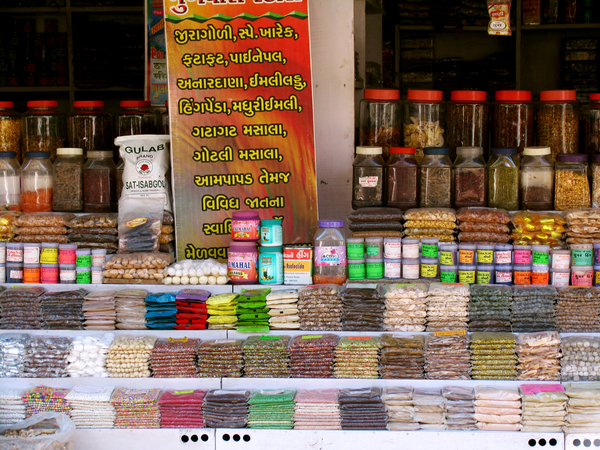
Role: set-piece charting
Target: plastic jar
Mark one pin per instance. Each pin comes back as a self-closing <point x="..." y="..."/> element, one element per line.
<point x="392" y="247"/>
<point x="330" y="253"/>
<point x="271" y="233"/>
<point x="582" y="254"/>
<point x="424" y="119"/>
<point x="270" y="265"/>
<point x="468" y="120"/>
<point x="31" y="253"/>
<point x="503" y="179"/>
<point x="67" y="253"/>
<point x="14" y="252"/>
<point x="596" y="276"/>
<point x="36" y="182"/>
<point x="522" y="254"/>
<point x="560" y="277"/>
<point x="485" y="253"/>
<point x="97" y="275"/>
<point x="402" y="178"/>
<point x="245" y="226"/>
<point x="435" y="178"/>
<point x="522" y="273"/>
<point x="2" y="252"/>
<point x="410" y="248"/>
<point x="430" y="247"/>
<point x="355" y="248"/>
<point x="590" y="122"/>
<point x="367" y="178"/>
<point x="469" y="175"/>
<point x="429" y="268"/>
<point x="374" y="269"/>
<point x="558" y="121"/>
<point x="560" y="259"/>
<point x="67" y="273"/>
<point x="99" y="182"/>
<point x="448" y="254"/>
<point x="374" y="247"/>
<point x="537" y="179"/>
<point x="356" y="269"/>
<point x="10" y="130"/>
<point x="2" y="273"/>
<point x="89" y="127"/>
<point x="10" y="180"/>
<point x="241" y="262"/>
<point x="504" y="274"/>
<point x="120" y="169"/>
<point x="380" y="119"/>
<point x="596" y="254"/>
<point x="44" y="128"/>
<point x="448" y="274"/>
<point x="540" y="255"/>
<point x="68" y="180"/>
<point x="595" y="180"/>
<point x="572" y="185"/>
<point x="83" y="257"/>
<point x="410" y="269"/>
<point x="31" y="273"/>
<point x="83" y="275"/>
<point x="14" y="272"/>
<point x="467" y="273"/>
<point x="392" y="268"/>
<point x="503" y="254"/>
<point x="582" y="275"/>
<point x="485" y="273"/>
<point x="49" y="273"/>
<point x="513" y="115"/>
<point x="466" y="253"/>
<point x="98" y="257"/>
<point x="135" y="117"/>
<point x="540" y="274"/>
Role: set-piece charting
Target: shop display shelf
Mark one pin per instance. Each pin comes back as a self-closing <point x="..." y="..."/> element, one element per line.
<point x="138" y="383"/>
<point x="145" y="439"/>
<point x="152" y="288"/>
<point x="577" y="441"/>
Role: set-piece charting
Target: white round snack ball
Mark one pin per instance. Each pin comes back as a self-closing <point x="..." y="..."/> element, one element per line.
<point x="167" y="280"/>
<point x="202" y="280"/>
<point x="192" y="273"/>
<point x="186" y="264"/>
<point x="193" y="280"/>
<point x="177" y="266"/>
<point x="176" y="280"/>
<point x="214" y="271"/>
<point x="206" y="271"/>
<point x="179" y="272"/>
<point x="185" y="280"/>
<point x="222" y="280"/>
<point x="223" y="270"/>
<point x="171" y="271"/>
<point x="185" y="273"/>
<point x="212" y="280"/>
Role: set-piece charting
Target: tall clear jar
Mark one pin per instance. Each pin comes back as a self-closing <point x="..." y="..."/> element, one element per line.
<point x="558" y="122"/>
<point x="10" y="182"/>
<point x="513" y="115"/>
<point x="135" y="117"/>
<point x="330" y="253"/>
<point x="68" y="180"/>
<point x="380" y="119"/>
<point x="367" y="178"/>
<point x="571" y="183"/>
<point x="469" y="175"/>
<point x="424" y="120"/>
<point x="402" y="178"/>
<point x="44" y="128"/>
<point x="89" y="127"/>
<point x="503" y="179"/>
<point x="537" y="179"/>
<point x="435" y="178"/>
<point x="468" y="121"/>
<point x="99" y="182"/>
<point x="590" y="123"/>
<point x="10" y="130"/>
<point x="595" y="177"/>
<point x="36" y="182"/>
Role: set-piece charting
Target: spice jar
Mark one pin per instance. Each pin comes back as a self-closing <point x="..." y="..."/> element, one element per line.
<point x="424" y="120"/>
<point x="469" y="174"/>
<point x="367" y="177"/>
<point x="36" y="182"/>
<point x="558" y="122"/>
<point x="468" y="121"/>
<point x="330" y="253"/>
<point x="99" y="182"/>
<point x="10" y="182"/>
<point x="435" y="178"/>
<point x="380" y="119"/>
<point x="44" y="128"/>
<point x="537" y="179"/>
<point x="513" y="115"/>
<point x="503" y="179"/>
<point x="89" y="127"/>
<point x="68" y="180"/>
<point x="595" y="176"/>
<point x="401" y="176"/>
<point x="572" y="186"/>
<point x="135" y="117"/>
<point x="10" y="130"/>
<point x="590" y="122"/>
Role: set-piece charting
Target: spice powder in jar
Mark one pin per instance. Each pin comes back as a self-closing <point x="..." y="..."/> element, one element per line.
<point x="401" y="176"/>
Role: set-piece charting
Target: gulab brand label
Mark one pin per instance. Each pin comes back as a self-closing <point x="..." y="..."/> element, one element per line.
<point x="245" y="230"/>
<point x="242" y="266"/>
<point x="330" y="256"/>
<point x="142" y="149"/>
<point x="297" y="265"/>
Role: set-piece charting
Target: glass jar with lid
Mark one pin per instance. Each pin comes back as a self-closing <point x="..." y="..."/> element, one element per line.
<point x="367" y="177"/>
<point x="68" y="180"/>
<point x="468" y="121"/>
<point x="571" y="182"/>
<point x="595" y="180"/>
<point x="469" y="175"/>
<point x="36" y="182"/>
<point x="424" y="120"/>
<point x="503" y="179"/>
<point x="99" y="182"/>
<point x="380" y="119"/>
<point x="10" y="130"/>
<point x="44" y="128"/>
<point x="10" y="182"/>
<point x="435" y="178"/>
<point x="558" y="121"/>
<point x="89" y="127"/>
<point x="402" y="178"/>
<point x="135" y="117"/>
<point x="537" y="179"/>
<point x="330" y="253"/>
<point x="513" y="115"/>
<point x="590" y="122"/>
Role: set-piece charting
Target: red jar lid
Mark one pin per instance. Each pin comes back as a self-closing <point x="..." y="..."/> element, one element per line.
<point x="468" y="96"/>
<point x="88" y="104"/>
<point x="594" y="97"/>
<point x="7" y="104"/>
<point x="558" y="96"/>
<point x="513" y="96"/>
<point x="403" y="150"/>
<point x="42" y="104"/>
<point x="424" y="95"/>
<point x="382" y="94"/>
<point x="134" y="104"/>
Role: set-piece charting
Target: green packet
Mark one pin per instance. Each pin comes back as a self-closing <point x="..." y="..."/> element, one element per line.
<point x="252" y="311"/>
<point x="253" y="328"/>
<point x="252" y="304"/>
<point x="254" y="316"/>
<point x="253" y="295"/>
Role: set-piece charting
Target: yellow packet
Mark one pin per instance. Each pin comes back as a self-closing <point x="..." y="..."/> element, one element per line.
<point x="499" y="11"/>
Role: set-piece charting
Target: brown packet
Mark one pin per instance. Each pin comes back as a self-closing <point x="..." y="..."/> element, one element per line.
<point x="499" y="11"/>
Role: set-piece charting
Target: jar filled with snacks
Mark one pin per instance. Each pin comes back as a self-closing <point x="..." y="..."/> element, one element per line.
<point x="435" y="178"/>
<point x="330" y="253"/>
<point x="595" y="177"/>
<point x="44" y="128"/>
<point x="590" y="121"/>
<point x="37" y="182"/>
<point x="536" y="176"/>
<point x="468" y="121"/>
<point x="469" y="174"/>
<point x="10" y="130"/>
<point x="572" y="186"/>
<point x="402" y="178"/>
<point x="513" y="116"/>
<point x="380" y="119"/>
<point x="558" y="122"/>
<point x="424" y="120"/>
<point x="89" y="127"/>
<point x="10" y="182"/>
<point x="503" y="179"/>
<point x="367" y="178"/>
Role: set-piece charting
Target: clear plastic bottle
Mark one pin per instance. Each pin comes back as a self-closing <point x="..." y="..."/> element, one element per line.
<point x="37" y="182"/>
<point x="330" y="253"/>
<point x="100" y="182"/>
<point x="537" y="179"/>
<point x="44" y="128"/>
<point x="503" y="179"/>
<point x="558" y="122"/>
<point x="424" y="120"/>
<point x="469" y="174"/>
<point x="590" y="122"/>
<point x="402" y="178"/>
<point x="10" y="182"/>
<point x="10" y="130"/>
<point x="89" y="127"/>
<point x="435" y="178"/>
<point x="367" y="178"/>
<point x="68" y="180"/>
<point x="380" y="119"/>
<point x="571" y="184"/>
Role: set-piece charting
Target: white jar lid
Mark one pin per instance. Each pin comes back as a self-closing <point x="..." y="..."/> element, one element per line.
<point x="536" y="151"/>
<point x="369" y="150"/>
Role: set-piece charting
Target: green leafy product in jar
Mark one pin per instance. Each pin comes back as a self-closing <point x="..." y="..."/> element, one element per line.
<point x="503" y="179"/>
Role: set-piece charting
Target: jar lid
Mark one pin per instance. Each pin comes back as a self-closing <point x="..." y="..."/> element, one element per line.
<point x="134" y="104"/>
<point x="382" y="94"/>
<point x="403" y="150"/>
<point x="424" y="95"/>
<point x="469" y="150"/>
<point x="369" y="150"/>
<point x="513" y="96"/>
<point x="577" y="157"/>
<point x="536" y="151"/>
<point x="558" y="96"/>
<point x="42" y="104"/>
<point x="88" y="104"/>
<point x="37" y="154"/>
<point x="99" y="154"/>
<point x="271" y="222"/>
<point x="331" y="223"/>
<point x="245" y="215"/>
<point x="69" y="151"/>
<point x="503" y="151"/>
<point x="468" y="96"/>
<point x="436" y="151"/>
<point x="593" y="97"/>
<point x="14" y="154"/>
<point x="275" y="249"/>
<point x="7" y="104"/>
<point x="595" y="157"/>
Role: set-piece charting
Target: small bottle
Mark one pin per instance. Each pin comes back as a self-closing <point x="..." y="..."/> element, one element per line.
<point x="367" y="178"/>
<point x="330" y="253"/>
<point x="10" y="182"/>
<point x="99" y="182"/>
<point x="37" y="182"/>
<point x="68" y="180"/>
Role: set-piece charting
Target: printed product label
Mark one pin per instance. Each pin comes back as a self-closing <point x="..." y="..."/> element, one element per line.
<point x="485" y="256"/>
<point x="484" y="277"/>
<point x="540" y="277"/>
<point x="270" y="268"/>
<point x="97" y="260"/>
<point x="540" y="258"/>
<point x="447" y="258"/>
<point x="374" y="270"/>
<point x="503" y="277"/>
<point x="582" y="278"/>
<point x="410" y="271"/>
<point x="245" y="229"/>
<point x="15" y="274"/>
<point x="96" y="277"/>
<point x="49" y="256"/>
<point x="466" y="276"/>
<point x="392" y="270"/>
<point x="14" y="255"/>
<point x="448" y="277"/>
<point x="50" y="275"/>
<point x="67" y="275"/>
<point x="391" y="250"/>
<point x="560" y="279"/>
<point x="466" y="256"/>
<point x="368" y="181"/>
<point x="241" y="266"/>
<point x="84" y="277"/>
<point x="522" y="277"/>
<point x="428" y="270"/>
<point x="355" y="251"/>
<point x="271" y="235"/>
<point x="31" y="275"/>
<point x="270" y="338"/>
<point x="429" y="250"/>
<point x="503" y="257"/>
<point x="356" y="271"/>
<point x="535" y="388"/>
<point x="373" y="250"/>
<point x="597" y="279"/>
<point x="522" y="256"/>
<point x="410" y="251"/>
<point x="582" y="257"/>
<point x="2" y="254"/>
<point x="84" y="261"/>
<point x="561" y="261"/>
<point x="297" y="265"/>
<point x="312" y="336"/>
<point x="330" y="256"/>
<point x="68" y="256"/>
<point x="31" y="255"/>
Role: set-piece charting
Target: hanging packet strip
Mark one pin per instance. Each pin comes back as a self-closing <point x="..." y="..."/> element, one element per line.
<point x="499" y="11"/>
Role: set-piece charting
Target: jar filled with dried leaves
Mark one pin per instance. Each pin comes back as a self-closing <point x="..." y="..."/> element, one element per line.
<point x="572" y="186"/>
<point x="503" y="179"/>
<point x="68" y="180"/>
<point x="595" y="176"/>
<point x="10" y="182"/>
<point x="135" y="117"/>
<point x="537" y="179"/>
<point x="513" y="116"/>
<point x="590" y="121"/>
<point x="44" y="128"/>
<point x="380" y="119"/>
<point x="89" y="127"/>
<point x="99" y="182"/>
<point x="558" y="122"/>
<point x="469" y="177"/>
<point x="435" y="178"/>
<point x="424" y="120"/>
<point x="36" y="182"/>
<point x="10" y="130"/>
<point x="367" y="178"/>
<point x="468" y="121"/>
<point x="401" y="176"/>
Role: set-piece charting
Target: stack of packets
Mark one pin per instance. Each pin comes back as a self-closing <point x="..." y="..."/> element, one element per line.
<point x="429" y="408"/>
<point x="181" y="409"/>
<point x="272" y="409"/>
<point x="447" y="307"/>
<point x="398" y="403"/>
<point x="582" y="408"/>
<point x="459" y="407"/>
<point x="20" y="309"/>
<point x="447" y="356"/>
<point x="532" y="308"/>
<point x="363" y="309"/>
<point x="538" y="228"/>
<point x="405" y="306"/>
<point x="317" y="409"/>
<point x="357" y="357"/>
<point x="62" y="310"/>
<point x="128" y="356"/>
<point x="402" y="356"/>
<point x="7" y="225"/>
<point x="167" y="234"/>
<point x="47" y="357"/>
<point x="131" y="309"/>
<point x="266" y="357"/>
<point x="174" y="358"/>
<point x="88" y="356"/>
<point x="362" y="409"/>
<point x="95" y="231"/>
<point x="577" y="309"/>
<point x="252" y="311"/>
<point x="42" y="227"/>
<point x="583" y="226"/>
<point x="539" y="356"/>
<point x="222" y="309"/>
<point x="12" y="407"/>
<point x="312" y="356"/>
<point x="489" y="308"/>
<point x="580" y="361"/>
<point x="493" y="356"/>
<point x="226" y="408"/>
<point x="430" y="222"/>
<point x="136" y="408"/>
<point x="91" y="406"/>
<point x="376" y="222"/>
<point x="99" y="310"/>
<point x="220" y="358"/>
<point x="497" y="409"/>
<point x="13" y="354"/>
<point x="544" y="408"/>
<point x="161" y="311"/>
<point x="283" y="309"/>
<point x="483" y="225"/>
<point x="320" y="307"/>
<point x="192" y="312"/>
<point x="46" y="399"/>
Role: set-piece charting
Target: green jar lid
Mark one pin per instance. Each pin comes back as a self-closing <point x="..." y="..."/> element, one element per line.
<point x="278" y="249"/>
<point x="270" y="222"/>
